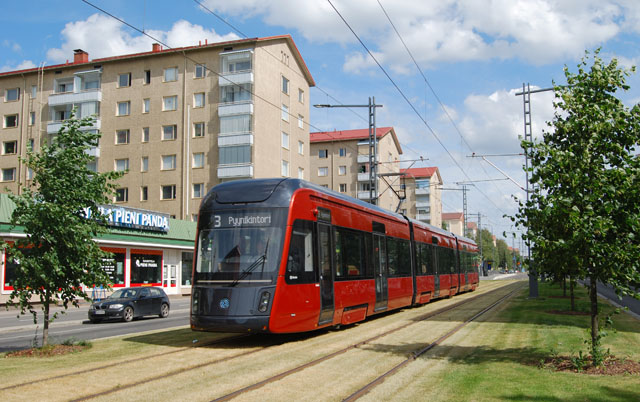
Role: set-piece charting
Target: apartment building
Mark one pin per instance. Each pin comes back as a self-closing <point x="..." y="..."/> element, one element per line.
<point x="454" y="222"/>
<point x="423" y="192"/>
<point x="177" y="121"/>
<point x="340" y="161"/>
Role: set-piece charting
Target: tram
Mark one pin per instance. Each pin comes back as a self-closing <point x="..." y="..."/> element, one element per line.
<point x="285" y="255"/>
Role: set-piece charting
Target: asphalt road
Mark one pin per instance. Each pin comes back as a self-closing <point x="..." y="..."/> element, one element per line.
<point x="20" y="333"/>
<point x="630" y="302"/>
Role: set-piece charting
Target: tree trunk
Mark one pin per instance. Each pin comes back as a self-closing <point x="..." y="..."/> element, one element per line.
<point x="571" y="291"/>
<point x="593" y="293"/>
<point x="45" y="330"/>
<point x="564" y="286"/>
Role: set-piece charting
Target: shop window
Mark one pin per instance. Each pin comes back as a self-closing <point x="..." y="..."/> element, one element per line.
<point x="187" y="265"/>
<point x="146" y="267"/>
<point x="114" y="265"/>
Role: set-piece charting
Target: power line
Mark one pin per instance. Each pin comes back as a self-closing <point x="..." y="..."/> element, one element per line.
<point x="409" y="102"/>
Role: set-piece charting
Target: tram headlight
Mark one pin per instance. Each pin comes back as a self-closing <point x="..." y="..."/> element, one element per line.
<point x="264" y="302"/>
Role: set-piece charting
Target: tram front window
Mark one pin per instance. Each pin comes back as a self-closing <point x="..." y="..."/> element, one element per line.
<point x="239" y="256"/>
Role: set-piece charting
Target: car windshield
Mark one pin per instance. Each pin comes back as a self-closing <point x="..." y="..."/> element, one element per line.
<point x="124" y="294"/>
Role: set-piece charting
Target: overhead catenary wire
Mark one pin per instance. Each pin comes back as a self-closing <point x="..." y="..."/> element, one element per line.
<point x="402" y="94"/>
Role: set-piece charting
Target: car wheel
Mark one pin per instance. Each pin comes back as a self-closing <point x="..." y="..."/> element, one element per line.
<point x="164" y="310"/>
<point x="128" y="314"/>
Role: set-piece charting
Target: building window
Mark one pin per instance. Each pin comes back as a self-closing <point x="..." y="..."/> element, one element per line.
<point x="201" y="70"/>
<point x="235" y="124"/>
<point x="198" y="129"/>
<point x="234" y="154"/>
<point x="124" y="80"/>
<point x="285" y="113"/>
<point x="146" y="105"/>
<point x="323" y="171"/>
<point x="122" y="194"/>
<point x="194" y="218"/>
<point x="301" y="147"/>
<point x="30" y="172"/>
<point x="9" y="174"/>
<point x="122" y="165"/>
<point x="12" y="94"/>
<point x="64" y="86"/>
<point x="171" y="74"/>
<point x="169" y="192"/>
<point x="343" y="151"/>
<point x="198" y="99"/>
<point x="169" y="132"/>
<point x="235" y="93"/>
<point x="342" y="170"/>
<point x="32" y="118"/>
<point x="168" y="162"/>
<point x="147" y="77"/>
<point x="285" y="168"/>
<point x="300" y="173"/>
<point x="198" y="190"/>
<point x="144" y="165"/>
<point x="10" y="120"/>
<point x="323" y="153"/>
<point x="343" y="187"/>
<point x="145" y="134"/>
<point x="123" y="108"/>
<point x="170" y="103"/>
<point x="9" y="147"/>
<point x="198" y="160"/>
<point x="34" y="91"/>
<point x="236" y="62"/>
<point x="144" y="193"/>
<point x="285" y="140"/>
<point x="285" y="85"/>
<point x="300" y="96"/>
<point x="300" y="121"/>
<point x="122" y="137"/>
<point x="31" y="144"/>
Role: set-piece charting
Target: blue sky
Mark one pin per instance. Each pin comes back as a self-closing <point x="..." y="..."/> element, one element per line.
<point x="475" y="54"/>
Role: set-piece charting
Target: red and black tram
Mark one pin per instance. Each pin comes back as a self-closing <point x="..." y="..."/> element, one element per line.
<point x="286" y="255"/>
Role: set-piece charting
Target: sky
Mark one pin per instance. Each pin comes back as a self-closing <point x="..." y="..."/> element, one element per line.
<point x="446" y="72"/>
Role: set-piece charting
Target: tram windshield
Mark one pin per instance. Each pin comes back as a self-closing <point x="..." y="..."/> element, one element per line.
<point x="238" y="256"/>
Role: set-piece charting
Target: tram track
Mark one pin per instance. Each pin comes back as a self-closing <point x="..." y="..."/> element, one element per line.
<point x="357" y="345"/>
<point x="106" y="392"/>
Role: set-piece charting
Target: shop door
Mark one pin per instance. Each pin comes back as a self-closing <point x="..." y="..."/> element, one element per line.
<point x="380" y="271"/>
<point x="326" y="274"/>
<point x="169" y="276"/>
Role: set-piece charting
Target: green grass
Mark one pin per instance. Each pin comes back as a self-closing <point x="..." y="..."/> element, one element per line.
<point x="500" y="360"/>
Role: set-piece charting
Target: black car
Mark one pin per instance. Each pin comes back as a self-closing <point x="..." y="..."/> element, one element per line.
<point x="129" y="303"/>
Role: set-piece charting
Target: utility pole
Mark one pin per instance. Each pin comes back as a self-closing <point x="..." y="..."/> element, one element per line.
<point x="373" y="146"/>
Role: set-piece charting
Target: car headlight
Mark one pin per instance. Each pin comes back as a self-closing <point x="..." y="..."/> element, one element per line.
<point x="115" y="306"/>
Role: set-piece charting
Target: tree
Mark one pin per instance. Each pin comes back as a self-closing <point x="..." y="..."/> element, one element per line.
<point x="583" y="216"/>
<point x="58" y="254"/>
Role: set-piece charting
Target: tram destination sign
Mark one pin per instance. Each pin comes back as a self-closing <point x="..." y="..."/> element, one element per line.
<point x="244" y="219"/>
<point x="134" y="218"/>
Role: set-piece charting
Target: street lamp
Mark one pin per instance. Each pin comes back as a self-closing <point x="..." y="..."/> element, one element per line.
<point x="373" y="145"/>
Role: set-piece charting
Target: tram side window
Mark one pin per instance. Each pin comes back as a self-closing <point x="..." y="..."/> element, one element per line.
<point x="404" y="257"/>
<point x="349" y="254"/>
<point x="300" y="267"/>
<point x="451" y="260"/>
<point x="368" y="256"/>
<point x="392" y="259"/>
<point x="426" y="266"/>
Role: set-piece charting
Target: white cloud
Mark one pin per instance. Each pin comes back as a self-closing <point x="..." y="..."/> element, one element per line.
<point x="538" y="31"/>
<point x="103" y="36"/>
<point x="24" y="65"/>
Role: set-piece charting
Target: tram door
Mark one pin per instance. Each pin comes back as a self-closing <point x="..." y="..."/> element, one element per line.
<point x="380" y="271"/>
<point x="326" y="275"/>
<point x="436" y="269"/>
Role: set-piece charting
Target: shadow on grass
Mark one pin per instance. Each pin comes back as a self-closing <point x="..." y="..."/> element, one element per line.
<point x="185" y="337"/>
<point x="605" y="394"/>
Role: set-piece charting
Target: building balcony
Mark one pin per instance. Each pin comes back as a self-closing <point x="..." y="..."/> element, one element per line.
<point x="69" y="98"/>
<point x="54" y="126"/>
<point x="94" y="151"/>
<point x="228" y="109"/>
<point x="423" y="217"/>
<point x="364" y="195"/>
<point x="364" y="158"/>
<point x="235" y="139"/>
<point x="245" y="77"/>
<point x="363" y="177"/>
<point x="234" y="171"/>
<point x="423" y="204"/>
<point x="422" y="191"/>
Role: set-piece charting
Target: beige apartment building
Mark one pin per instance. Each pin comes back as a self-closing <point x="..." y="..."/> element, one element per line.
<point x="178" y="121"/>
<point x="454" y="221"/>
<point x="340" y="161"/>
<point x="423" y="191"/>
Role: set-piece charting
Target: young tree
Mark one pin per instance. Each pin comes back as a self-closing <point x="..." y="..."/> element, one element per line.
<point x="583" y="217"/>
<point x="59" y="254"/>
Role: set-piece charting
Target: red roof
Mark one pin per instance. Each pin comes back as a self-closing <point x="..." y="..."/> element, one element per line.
<point x="288" y="38"/>
<point x="420" y="172"/>
<point x="472" y="225"/>
<point x="344" y="135"/>
<point x="452" y="216"/>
